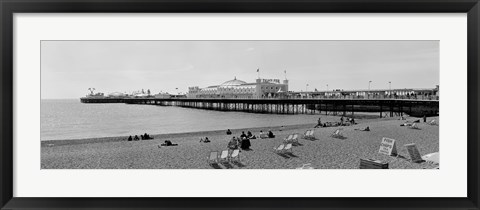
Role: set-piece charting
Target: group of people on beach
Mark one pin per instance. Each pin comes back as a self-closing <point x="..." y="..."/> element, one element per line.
<point x="143" y="137"/>
<point x="206" y="140"/>
<point x="342" y="122"/>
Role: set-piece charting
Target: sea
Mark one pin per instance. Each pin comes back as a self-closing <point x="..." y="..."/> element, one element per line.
<point x="68" y="119"/>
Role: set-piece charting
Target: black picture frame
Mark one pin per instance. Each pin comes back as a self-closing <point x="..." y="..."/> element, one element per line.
<point x="9" y="7"/>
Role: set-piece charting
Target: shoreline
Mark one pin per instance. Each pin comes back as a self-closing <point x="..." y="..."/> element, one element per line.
<point x="364" y="117"/>
<point x="171" y="135"/>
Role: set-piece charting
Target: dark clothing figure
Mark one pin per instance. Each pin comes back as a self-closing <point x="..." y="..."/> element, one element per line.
<point x="142" y="137"/>
<point x="130" y="138"/>
<point x="249" y="134"/>
<point x="168" y="143"/>
<point x="270" y="134"/>
<point x="136" y="138"/>
<point x="243" y="135"/>
<point x="245" y="145"/>
<point x="229" y="132"/>
<point x="367" y="128"/>
<point x="424" y="118"/>
<point x="206" y="140"/>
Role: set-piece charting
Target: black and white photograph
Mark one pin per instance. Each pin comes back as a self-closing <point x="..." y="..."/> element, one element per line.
<point x="239" y="104"/>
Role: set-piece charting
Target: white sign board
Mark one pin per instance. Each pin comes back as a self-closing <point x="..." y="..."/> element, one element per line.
<point x="414" y="153"/>
<point x="388" y="147"/>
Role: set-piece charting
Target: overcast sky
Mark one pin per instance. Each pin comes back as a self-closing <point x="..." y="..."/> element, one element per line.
<point x="69" y="68"/>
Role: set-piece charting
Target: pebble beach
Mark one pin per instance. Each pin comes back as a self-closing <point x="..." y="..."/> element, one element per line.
<point x="325" y="152"/>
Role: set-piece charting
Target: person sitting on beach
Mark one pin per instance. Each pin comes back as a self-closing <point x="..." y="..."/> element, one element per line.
<point x="168" y="143"/>
<point x="270" y="134"/>
<point x="146" y="136"/>
<point x="229" y="132"/>
<point x="136" y="138"/>
<point x="364" y="129"/>
<point x="319" y="123"/>
<point x="250" y="135"/>
<point x="201" y="140"/>
<point x="130" y="138"/>
<point x="142" y="137"/>
<point x="206" y="140"/>
<point x="232" y="144"/>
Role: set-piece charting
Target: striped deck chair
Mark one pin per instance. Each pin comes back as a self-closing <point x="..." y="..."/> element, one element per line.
<point x="279" y="148"/>
<point x="213" y="158"/>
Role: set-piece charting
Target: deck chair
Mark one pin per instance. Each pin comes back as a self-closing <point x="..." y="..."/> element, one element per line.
<point x="294" y="138"/>
<point x="223" y="156"/>
<point x="279" y="148"/>
<point x="306" y="134"/>
<point x="414" y="126"/>
<point x="337" y="134"/>
<point x="289" y="138"/>
<point x="312" y="136"/>
<point x="309" y="135"/>
<point x="235" y="155"/>
<point x="213" y="158"/>
<point x="288" y="148"/>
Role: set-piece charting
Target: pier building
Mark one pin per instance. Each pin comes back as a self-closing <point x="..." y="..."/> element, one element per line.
<point x="261" y="88"/>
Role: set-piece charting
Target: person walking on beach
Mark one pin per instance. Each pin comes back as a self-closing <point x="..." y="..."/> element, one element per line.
<point x="319" y="123"/>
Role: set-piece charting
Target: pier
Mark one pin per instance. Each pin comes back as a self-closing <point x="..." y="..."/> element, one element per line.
<point x="385" y="107"/>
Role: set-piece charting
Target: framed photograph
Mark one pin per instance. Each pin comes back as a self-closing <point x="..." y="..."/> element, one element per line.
<point x="239" y="105"/>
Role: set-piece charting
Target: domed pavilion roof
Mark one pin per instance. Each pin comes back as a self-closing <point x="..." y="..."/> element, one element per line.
<point x="231" y="83"/>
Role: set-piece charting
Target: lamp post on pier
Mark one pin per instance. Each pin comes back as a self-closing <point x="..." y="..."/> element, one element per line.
<point x="389" y="89"/>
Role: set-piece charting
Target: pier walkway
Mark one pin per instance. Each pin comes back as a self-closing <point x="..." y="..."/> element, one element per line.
<point x="392" y="107"/>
